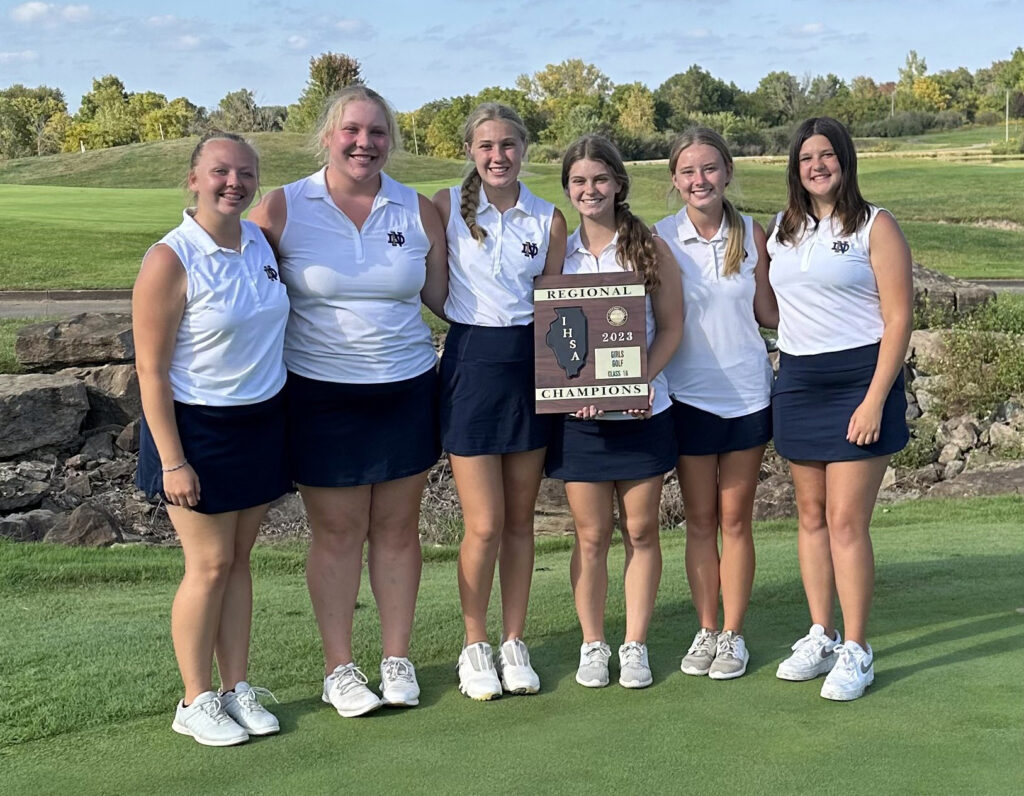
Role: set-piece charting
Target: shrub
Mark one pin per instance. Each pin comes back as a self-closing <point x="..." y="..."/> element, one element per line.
<point x="546" y="153"/>
<point x="920" y="451"/>
<point x="1012" y="147"/>
<point x="988" y="117"/>
<point x="989" y="368"/>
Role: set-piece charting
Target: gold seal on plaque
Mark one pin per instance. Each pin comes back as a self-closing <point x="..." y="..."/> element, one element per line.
<point x="617" y="316"/>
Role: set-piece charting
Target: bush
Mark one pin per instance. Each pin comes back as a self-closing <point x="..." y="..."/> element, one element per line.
<point x="653" y="146"/>
<point x="908" y="123"/>
<point x="920" y="451"/>
<point x="1012" y="147"/>
<point x="989" y="368"/>
<point x="988" y="117"/>
<point x="546" y="153"/>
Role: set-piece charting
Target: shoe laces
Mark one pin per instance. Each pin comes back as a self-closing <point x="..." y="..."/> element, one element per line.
<point x="397" y="670"/>
<point x="847" y="661"/>
<point x="349" y="677"/>
<point x="514" y="653"/>
<point x="633" y="652"/>
<point x="809" y="645"/>
<point x="597" y="653"/>
<point x="250" y="699"/>
<point x="726" y="644"/>
<point x="214" y="709"/>
<point x="705" y="641"/>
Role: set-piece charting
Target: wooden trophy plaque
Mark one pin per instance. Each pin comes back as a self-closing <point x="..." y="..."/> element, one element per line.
<point x="590" y="342"/>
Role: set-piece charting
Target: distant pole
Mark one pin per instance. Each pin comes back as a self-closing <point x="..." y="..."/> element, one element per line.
<point x="415" y="143"/>
<point x="1007" y="115"/>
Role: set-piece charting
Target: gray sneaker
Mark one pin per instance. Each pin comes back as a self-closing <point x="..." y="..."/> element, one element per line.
<point x="730" y="658"/>
<point x="593" y="669"/>
<point x="701" y="655"/>
<point x="634" y="668"/>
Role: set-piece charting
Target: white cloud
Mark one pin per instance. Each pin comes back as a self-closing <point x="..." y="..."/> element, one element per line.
<point x="23" y="57"/>
<point x="350" y="25"/>
<point x="698" y="33"/>
<point x="50" y="14"/>
<point x="76" y="13"/>
<point x="811" y="28"/>
<point x="31" y="12"/>
<point x="297" y="42"/>
<point x="161" y="21"/>
<point x="188" y="42"/>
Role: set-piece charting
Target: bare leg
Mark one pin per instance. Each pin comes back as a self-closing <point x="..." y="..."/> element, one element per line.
<point x="698" y="479"/>
<point x="813" y="548"/>
<point x="638" y="511"/>
<point x="737" y="484"/>
<point x="395" y="558"/>
<point x="591" y="505"/>
<point x="521" y="474"/>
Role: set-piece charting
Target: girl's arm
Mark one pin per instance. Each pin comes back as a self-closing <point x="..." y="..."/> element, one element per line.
<point x="556" y="245"/>
<point x="891" y="263"/>
<point x="435" y="290"/>
<point x="158" y="304"/>
<point x="270" y="215"/>
<point x="766" y="308"/>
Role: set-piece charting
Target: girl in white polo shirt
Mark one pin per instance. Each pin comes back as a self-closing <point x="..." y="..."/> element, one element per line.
<point x="841" y="270"/>
<point x="720" y="380"/>
<point x="604" y="457"/>
<point x="209" y="314"/>
<point x="500" y="236"/>
<point x="360" y="254"/>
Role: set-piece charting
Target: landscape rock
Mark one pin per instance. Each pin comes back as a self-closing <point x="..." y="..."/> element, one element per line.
<point x="113" y="394"/>
<point x="1009" y="412"/>
<point x="888" y="478"/>
<point x="286" y="510"/>
<point x="128" y="439"/>
<point x="953" y="469"/>
<point x="997" y="478"/>
<point x="949" y="453"/>
<point x="913" y="408"/>
<point x="78" y="485"/>
<point x="89" y="525"/>
<point x="37" y="410"/>
<point x="552" y="514"/>
<point x="947" y="295"/>
<point x="775" y="498"/>
<point x="926" y="348"/>
<point x="87" y="339"/>
<point x="23" y="485"/>
<point x="16" y="528"/>
<point x="98" y="446"/>
<point x="1001" y="435"/>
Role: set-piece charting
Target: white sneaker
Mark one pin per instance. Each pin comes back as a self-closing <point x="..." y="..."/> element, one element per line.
<point x="813" y="655"/>
<point x="517" y="675"/>
<point x="206" y="721"/>
<point x="477" y="676"/>
<point x="853" y="673"/>
<point x="398" y="684"/>
<point x="731" y="657"/>
<point x="243" y="705"/>
<point x="345" y="688"/>
<point x="634" y="668"/>
<point x="593" y="669"/>
<point x="701" y="655"/>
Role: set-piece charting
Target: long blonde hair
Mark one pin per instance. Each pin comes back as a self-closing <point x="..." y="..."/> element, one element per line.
<point x="335" y="108"/>
<point x="635" y="248"/>
<point x="734" y="251"/>
<point x="484" y="112"/>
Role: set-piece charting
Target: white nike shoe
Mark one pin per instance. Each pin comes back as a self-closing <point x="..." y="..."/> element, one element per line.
<point x="853" y="673"/>
<point x="478" y="678"/>
<point x="517" y="674"/>
<point x="813" y="655"/>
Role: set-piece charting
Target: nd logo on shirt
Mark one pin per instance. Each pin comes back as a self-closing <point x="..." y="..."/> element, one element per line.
<point x="530" y="250"/>
<point x="840" y="246"/>
<point x="396" y="238"/>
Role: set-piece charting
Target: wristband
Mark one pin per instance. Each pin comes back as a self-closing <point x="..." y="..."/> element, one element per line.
<point x="176" y="467"/>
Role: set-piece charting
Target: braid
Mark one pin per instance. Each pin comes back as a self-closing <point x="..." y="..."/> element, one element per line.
<point x="635" y="248"/>
<point x="468" y="206"/>
<point x="734" y="251"/>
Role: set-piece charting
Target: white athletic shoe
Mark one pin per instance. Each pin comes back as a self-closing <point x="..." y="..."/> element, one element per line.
<point x="398" y="684"/>
<point x="731" y="657"/>
<point x="853" y="673"/>
<point x="206" y="721"/>
<point x="345" y="688"/>
<point x="634" y="668"/>
<point x="593" y="669"/>
<point x="243" y="705"/>
<point x="813" y="655"/>
<point x="701" y="655"/>
<point x="517" y="675"/>
<point x="477" y="676"/>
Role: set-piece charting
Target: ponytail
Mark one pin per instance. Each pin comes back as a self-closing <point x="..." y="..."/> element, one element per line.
<point x="635" y="247"/>
<point x="734" y="251"/>
<point x="470" y="203"/>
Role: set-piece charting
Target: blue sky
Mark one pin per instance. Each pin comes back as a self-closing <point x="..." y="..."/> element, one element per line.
<point x="413" y="52"/>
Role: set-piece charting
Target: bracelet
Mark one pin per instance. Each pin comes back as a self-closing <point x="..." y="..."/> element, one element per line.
<point x="176" y="467"/>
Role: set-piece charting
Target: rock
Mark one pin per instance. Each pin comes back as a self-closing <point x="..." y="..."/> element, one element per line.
<point x="936" y="293"/>
<point x="949" y="453"/>
<point x="552" y="514"/>
<point x="286" y="510"/>
<point x="913" y="409"/>
<point x="128" y="440"/>
<point x="78" y="485"/>
<point x="997" y="478"/>
<point x="1004" y="437"/>
<point x="41" y="521"/>
<point x="113" y="394"/>
<point x="965" y="435"/>
<point x="16" y="528"/>
<point x="22" y="486"/>
<point x="888" y="478"/>
<point x="90" y="525"/>
<point x="99" y="446"/>
<point x="927" y="402"/>
<point x="1009" y="412"/>
<point x="88" y="339"/>
<point x="978" y="457"/>
<point x="37" y="410"/>
<point x="121" y="470"/>
<point x="923" y="476"/>
<point x="953" y="469"/>
<point x="926" y="349"/>
<point x="775" y="498"/>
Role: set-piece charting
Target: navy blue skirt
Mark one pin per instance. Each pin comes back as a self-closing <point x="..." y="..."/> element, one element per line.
<point x="611" y="450"/>
<point x="357" y="434"/>
<point x="814" y="397"/>
<point x="700" y="433"/>
<point x="237" y="452"/>
<point x="487" y="392"/>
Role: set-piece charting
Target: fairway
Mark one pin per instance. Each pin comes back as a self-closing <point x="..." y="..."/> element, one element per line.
<point x="89" y="681"/>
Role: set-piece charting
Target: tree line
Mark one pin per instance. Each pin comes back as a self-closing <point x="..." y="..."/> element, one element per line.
<point x="557" y="103"/>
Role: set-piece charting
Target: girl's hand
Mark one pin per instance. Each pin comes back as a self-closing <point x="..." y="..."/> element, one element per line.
<point x="589" y="413"/>
<point x="181" y="487"/>
<point x="865" y="424"/>
<point x="644" y="414"/>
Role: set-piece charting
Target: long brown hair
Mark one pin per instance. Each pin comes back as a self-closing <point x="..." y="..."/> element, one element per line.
<point x="851" y="208"/>
<point x="484" y="112"/>
<point x="734" y="251"/>
<point x="635" y="248"/>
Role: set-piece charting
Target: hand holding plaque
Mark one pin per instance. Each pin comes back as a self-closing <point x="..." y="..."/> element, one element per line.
<point x="590" y="342"/>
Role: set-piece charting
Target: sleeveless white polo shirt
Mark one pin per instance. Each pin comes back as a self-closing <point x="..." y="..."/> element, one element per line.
<point x="578" y="260"/>
<point x="491" y="283"/>
<point x="722" y="365"/>
<point x="228" y="348"/>
<point x="827" y="293"/>
<point x="355" y="293"/>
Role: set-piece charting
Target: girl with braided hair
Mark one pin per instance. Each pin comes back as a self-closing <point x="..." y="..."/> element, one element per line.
<point x="617" y="455"/>
<point x="500" y="236"/>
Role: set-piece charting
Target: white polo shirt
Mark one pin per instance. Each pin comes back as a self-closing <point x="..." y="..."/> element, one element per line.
<point x="355" y="293"/>
<point x="827" y="293"/>
<point x="578" y="260"/>
<point x="491" y="283"/>
<point x="228" y="349"/>
<point x="722" y="364"/>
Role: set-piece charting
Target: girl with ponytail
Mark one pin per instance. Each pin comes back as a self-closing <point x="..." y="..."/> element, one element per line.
<point x="500" y="236"/>
<point x="720" y="380"/>
<point x="617" y="455"/>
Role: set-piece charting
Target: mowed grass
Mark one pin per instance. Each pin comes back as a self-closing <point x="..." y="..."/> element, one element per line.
<point x="66" y="227"/>
<point x="974" y="137"/>
<point x="89" y="680"/>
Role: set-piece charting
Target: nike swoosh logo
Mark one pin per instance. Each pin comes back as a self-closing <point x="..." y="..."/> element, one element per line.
<point x="863" y="668"/>
<point x="826" y="653"/>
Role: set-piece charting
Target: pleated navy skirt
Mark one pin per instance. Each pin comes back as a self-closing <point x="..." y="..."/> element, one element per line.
<point x="237" y="452"/>
<point x="701" y="433"/>
<point x="611" y="450"/>
<point x="357" y="434"/>
<point x="487" y="392"/>
<point x="814" y="397"/>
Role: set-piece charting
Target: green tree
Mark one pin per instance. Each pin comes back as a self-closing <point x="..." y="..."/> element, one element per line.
<point x="633" y="106"/>
<point x="104" y="117"/>
<point x="173" y="120"/>
<point x="560" y="89"/>
<point x="24" y="115"/>
<point x="237" y="111"/>
<point x="443" y="137"/>
<point x="779" y="98"/>
<point x="689" y="92"/>
<point x="825" y="94"/>
<point x="913" y="68"/>
<point x="328" y="73"/>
